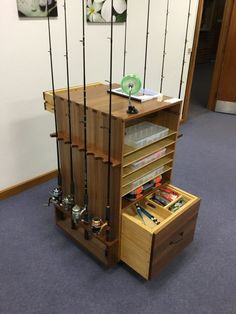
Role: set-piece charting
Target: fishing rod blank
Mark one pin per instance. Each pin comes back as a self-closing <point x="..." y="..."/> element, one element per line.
<point x="56" y="194"/>
<point x="68" y="201"/>
<point x="146" y="47"/>
<point x="78" y="212"/>
<point x="164" y="48"/>
<point x="185" y="47"/>
<point x="125" y="45"/>
<point x="108" y="211"/>
<point x="85" y="116"/>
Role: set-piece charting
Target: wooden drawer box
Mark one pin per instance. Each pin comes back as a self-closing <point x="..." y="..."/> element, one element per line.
<point x="147" y="247"/>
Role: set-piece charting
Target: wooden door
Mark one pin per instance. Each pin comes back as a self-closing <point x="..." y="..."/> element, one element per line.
<point x="226" y="95"/>
<point x="223" y="92"/>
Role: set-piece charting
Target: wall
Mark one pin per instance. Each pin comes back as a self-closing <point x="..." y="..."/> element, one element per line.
<point x="26" y="149"/>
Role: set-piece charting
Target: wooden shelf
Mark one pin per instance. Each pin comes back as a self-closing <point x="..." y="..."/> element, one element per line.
<point x="128" y="170"/>
<point x="129" y="150"/>
<point x="129" y="188"/>
<point x="145" y="170"/>
<point x="146" y="151"/>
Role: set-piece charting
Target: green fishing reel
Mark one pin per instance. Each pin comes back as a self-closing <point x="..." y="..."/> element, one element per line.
<point x="131" y="85"/>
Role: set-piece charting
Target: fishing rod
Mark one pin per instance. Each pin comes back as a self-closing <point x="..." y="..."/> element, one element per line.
<point x="85" y="116"/>
<point x="125" y="45"/>
<point x="77" y="212"/>
<point x="57" y="192"/>
<point x="146" y="47"/>
<point x="108" y="210"/>
<point x="68" y="201"/>
<point x="164" y="48"/>
<point x="185" y="47"/>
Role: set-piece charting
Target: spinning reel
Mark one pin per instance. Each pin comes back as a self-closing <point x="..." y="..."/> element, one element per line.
<point x="68" y="202"/>
<point x="97" y="225"/>
<point x="56" y="196"/>
<point x="78" y="214"/>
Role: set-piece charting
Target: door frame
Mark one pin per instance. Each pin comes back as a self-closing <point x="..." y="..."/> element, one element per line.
<point x="189" y="83"/>
<point x="219" y="57"/>
<point x="220" y="54"/>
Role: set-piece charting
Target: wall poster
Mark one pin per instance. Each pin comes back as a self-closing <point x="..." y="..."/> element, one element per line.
<point x="99" y="11"/>
<point x="36" y="8"/>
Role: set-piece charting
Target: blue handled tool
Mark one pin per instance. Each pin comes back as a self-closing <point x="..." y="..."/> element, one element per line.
<point x="146" y="213"/>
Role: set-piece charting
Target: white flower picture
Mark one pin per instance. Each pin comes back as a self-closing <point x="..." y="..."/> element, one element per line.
<point x="99" y="11"/>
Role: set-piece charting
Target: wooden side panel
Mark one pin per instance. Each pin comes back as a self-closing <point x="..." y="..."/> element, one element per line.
<point x="138" y="235"/>
<point x="168" y="118"/>
<point x="64" y="150"/>
<point x="62" y="117"/>
<point x="135" y="257"/>
<point x="77" y="127"/>
<point x="78" y="170"/>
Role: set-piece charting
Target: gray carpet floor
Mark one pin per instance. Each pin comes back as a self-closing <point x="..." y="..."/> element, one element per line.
<point x="42" y="271"/>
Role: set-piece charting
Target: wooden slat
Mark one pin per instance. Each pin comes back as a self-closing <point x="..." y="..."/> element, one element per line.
<point x="146" y="151"/>
<point x="129" y="170"/>
<point x="129" y="188"/>
<point x="145" y="170"/>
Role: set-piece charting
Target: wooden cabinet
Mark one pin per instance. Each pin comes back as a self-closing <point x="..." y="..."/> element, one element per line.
<point x="144" y="246"/>
<point x="147" y="248"/>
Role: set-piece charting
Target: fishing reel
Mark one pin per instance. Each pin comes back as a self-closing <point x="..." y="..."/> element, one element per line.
<point x="78" y="214"/>
<point x="68" y="202"/>
<point x="56" y="196"/>
<point x="97" y="225"/>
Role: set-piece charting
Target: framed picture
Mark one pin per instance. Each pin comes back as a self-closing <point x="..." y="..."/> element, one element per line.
<point x="36" y="8"/>
<point x="99" y="11"/>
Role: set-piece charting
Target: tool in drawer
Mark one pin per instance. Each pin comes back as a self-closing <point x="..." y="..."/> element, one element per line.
<point x="160" y="200"/>
<point x="140" y="213"/>
<point x="177" y="205"/>
<point x="167" y="193"/>
<point x="164" y="196"/>
<point x="140" y="209"/>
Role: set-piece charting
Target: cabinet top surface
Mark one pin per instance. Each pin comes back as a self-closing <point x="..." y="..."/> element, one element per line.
<point x="98" y="99"/>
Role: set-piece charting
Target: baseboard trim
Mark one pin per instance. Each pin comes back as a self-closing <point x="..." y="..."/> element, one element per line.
<point x="13" y="190"/>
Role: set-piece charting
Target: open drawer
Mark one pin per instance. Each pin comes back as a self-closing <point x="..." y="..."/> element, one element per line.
<point x="146" y="246"/>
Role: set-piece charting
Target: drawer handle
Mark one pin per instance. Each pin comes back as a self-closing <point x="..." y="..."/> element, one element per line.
<point x="181" y="236"/>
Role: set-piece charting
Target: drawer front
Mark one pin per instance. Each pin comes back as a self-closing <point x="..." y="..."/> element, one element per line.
<point x="171" y="240"/>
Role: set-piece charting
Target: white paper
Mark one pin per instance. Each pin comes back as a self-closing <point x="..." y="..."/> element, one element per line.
<point x="173" y="100"/>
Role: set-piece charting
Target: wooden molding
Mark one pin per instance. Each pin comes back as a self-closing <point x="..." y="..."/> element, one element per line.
<point x="220" y="54"/>
<point x="13" y="190"/>
<point x="192" y="62"/>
